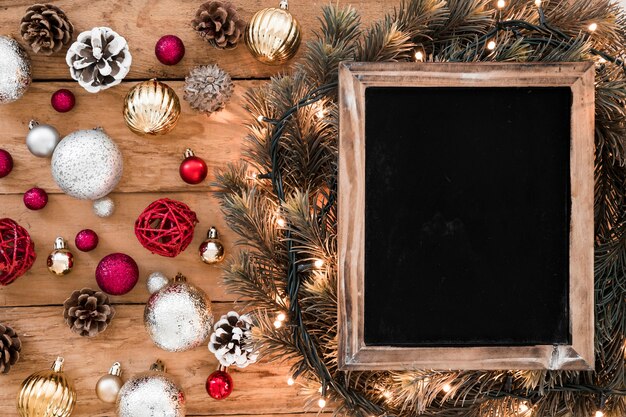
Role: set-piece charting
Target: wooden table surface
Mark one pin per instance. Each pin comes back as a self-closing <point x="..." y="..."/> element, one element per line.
<point x="33" y="304"/>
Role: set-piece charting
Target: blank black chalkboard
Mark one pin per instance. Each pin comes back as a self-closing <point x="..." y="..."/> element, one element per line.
<point x="467" y="216"/>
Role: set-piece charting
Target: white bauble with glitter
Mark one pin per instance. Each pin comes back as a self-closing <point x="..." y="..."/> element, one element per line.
<point x="104" y="207"/>
<point x="15" y="70"/>
<point x="87" y="164"/>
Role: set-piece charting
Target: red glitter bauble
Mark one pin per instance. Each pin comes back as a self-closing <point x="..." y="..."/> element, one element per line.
<point x="166" y="227"/>
<point x="6" y="163"/>
<point x="169" y="50"/>
<point x="117" y="274"/>
<point x="86" y="240"/>
<point x="219" y="385"/>
<point x="35" y="198"/>
<point x="63" y="100"/>
<point x="193" y="170"/>
<point x="17" y="251"/>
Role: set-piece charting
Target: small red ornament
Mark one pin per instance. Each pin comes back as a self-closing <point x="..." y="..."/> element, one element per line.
<point x="86" y="240"/>
<point x="17" y="251"/>
<point x="169" y="50"/>
<point x="166" y="227"/>
<point x="35" y="198"/>
<point x="193" y="170"/>
<point x="117" y="274"/>
<point x="6" y="163"/>
<point x="219" y="384"/>
<point x="63" y="100"/>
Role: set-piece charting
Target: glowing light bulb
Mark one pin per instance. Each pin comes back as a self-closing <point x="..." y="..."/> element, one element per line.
<point x="419" y="56"/>
<point x="318" y="263"/>
<point x="280" y="222"/>
<point x="491" y="45"/>
<point x="281" y="317"/>
<point x="320" y="113"/>
<point x="290" y="381"/>
<point x="321" y="402"/>
<point x="538" y="3"/>
<point x="387" y="394"/>
<point x="523" y="407"/>
<point x="592" y="27"/>
<point x="260" y="118"/>
<point x="501" y="4"/>
<point x="599" y="413"/>
<point x="278" y="324"/>
<point x="447" y="388"/>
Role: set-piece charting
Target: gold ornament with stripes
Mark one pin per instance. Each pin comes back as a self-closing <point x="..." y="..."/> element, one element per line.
<point x="48" y="393"/>
<point x="151" y="108"/>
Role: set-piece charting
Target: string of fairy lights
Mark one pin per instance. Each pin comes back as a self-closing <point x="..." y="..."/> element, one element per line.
<point x="300" y="333"/>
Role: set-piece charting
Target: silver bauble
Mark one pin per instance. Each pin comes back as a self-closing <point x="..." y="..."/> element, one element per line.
<point x="151" y="394"/>
<point x="15" y="70"/>
<point x="104" y="207"/>
<point x="178" y="317"/>
<point x="42" y="139"/>
<point x="87" y="164"/>
<point x="156" y="281"/>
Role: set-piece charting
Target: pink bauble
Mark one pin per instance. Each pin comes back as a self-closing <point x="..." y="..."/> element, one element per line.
<point x="6" y="163"/>
<point x="169" y="50"/>
<point x="63" y="100"/>
<point x="219" y="385"/>
<point x="117" y="274"/>
<point x="35" y="198"/>
<point x="86" y="240"/>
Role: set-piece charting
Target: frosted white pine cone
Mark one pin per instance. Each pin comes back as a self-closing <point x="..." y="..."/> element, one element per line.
<point x="99" y="59"/>
<point x="231" y="340"/>
<point x="208" y="88"/>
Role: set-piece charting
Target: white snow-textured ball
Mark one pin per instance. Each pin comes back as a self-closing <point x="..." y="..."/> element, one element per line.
<point x="87" y="164"/>
<point x="15" y="70"/>
<point x="104" y="207"/>
<point x="156" y="281"/>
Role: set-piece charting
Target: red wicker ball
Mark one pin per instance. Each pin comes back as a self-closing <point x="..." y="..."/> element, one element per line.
<point x="17" y="251"/>
<point x="166" y="227"/>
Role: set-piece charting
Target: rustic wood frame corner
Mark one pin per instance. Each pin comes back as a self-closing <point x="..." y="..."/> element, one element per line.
<point x="354" y="78"/>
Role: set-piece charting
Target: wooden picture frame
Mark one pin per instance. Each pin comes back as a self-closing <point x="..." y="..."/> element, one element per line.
<point x="354" y="80"/>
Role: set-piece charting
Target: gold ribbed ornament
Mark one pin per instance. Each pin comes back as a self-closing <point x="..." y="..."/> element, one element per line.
<point x="273" y="35"/>
<point x="47" y="393"/>
<point x="151" y="108"/>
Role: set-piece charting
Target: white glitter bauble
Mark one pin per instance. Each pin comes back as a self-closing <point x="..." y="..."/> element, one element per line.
<point x="156" y="281"/>
<point x="178" y="317"/>
<point x="151" y="394"/>
<point x="87" y="164"/>
<point x="15" y="70"/>
<point x="104" y="207"/>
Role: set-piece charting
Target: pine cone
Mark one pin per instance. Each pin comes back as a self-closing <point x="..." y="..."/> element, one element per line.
<point x="46" y="28"/>
<point x="208" y="88"/>
<point x="231" y="340"/>
<point x="99" y="59"/>
<point x="10" y="347"/>
<point x="219" y="24"/>
<point x="88" y="312"/>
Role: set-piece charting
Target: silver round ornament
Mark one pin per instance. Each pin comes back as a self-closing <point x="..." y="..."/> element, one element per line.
<point x="178" y="317"/>
<point x="104" y="207"/>
<point x="42" y="139"/>
<point x="87" y="164"/>
<point x="156" y="281"/>
<point x="109" y="386"/>
<point x="151" y="394"/>
<point x="15" y="70"/>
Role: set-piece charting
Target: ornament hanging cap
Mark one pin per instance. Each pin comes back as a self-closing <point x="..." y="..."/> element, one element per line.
<point x="158" y="366"/>
<point x="188" y="153"/>
<point x="57" y="366"/>
<point x="59" y="243"/>
<point x="116" y="369"/>
<point x="212" y="233"/>
<point x="284" y="4"/>
<point x="180" y="278"/>
<point x="32" y="124"/>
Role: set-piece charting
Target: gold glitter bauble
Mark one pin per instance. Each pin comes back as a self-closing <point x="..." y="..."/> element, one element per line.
<point x="273" y="35"/>
<point x="47" y="394"/>
<point x="151" y="108"/>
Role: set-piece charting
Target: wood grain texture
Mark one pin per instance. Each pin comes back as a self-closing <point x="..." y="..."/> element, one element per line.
<point x="143" y="22"/>
<point x="259" y="389"/>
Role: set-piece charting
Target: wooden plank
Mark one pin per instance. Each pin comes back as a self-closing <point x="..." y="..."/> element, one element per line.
<point x="150" y="164"/>
<point x="65" y="216"/>
<point x="259" y="389"/>
<point x="143" y="22"/>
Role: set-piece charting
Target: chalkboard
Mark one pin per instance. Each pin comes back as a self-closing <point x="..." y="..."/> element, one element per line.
<point x="466" y="216"/>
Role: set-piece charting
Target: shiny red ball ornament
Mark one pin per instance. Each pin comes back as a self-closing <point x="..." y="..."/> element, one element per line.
<point x="219" y="385"/>
<point x="169" y="50"/>
<point x="63" y="100"/>
<point x="6" y="163"/>
<point x="193" y="170"/>
<point x="86" y="240"/>
<point x="35" y="198"/>
<point x="117" y="274"/>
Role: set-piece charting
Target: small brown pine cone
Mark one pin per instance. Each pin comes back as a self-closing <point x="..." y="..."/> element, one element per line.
<point x="219" y="24"/>
<point x="46" y="28"/>
<point x="10" y="347"/>
<point x="88" y="312"/>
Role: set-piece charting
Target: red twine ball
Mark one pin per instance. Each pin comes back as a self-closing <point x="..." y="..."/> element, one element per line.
<point x="166" y="227"/>
<point x="86" y="240"/>
<point x="169" y="50"/>
<point x="35" y="198"/>
<point x="17" y="251"/>
<point x="63" y="100"/>
<point x="6" y="163"/>
<point x="117" y="274"/>
<point x="219" y="385"/>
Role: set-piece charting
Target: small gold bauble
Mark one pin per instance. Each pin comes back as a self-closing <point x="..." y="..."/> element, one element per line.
<point x="151" y="108"/>
<point x="212" y="250"/>
<point x="108" y="387"/>
<point x="60" y="261"/>
<point x="47" y="393"/>
<point x="273" y="35"/>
